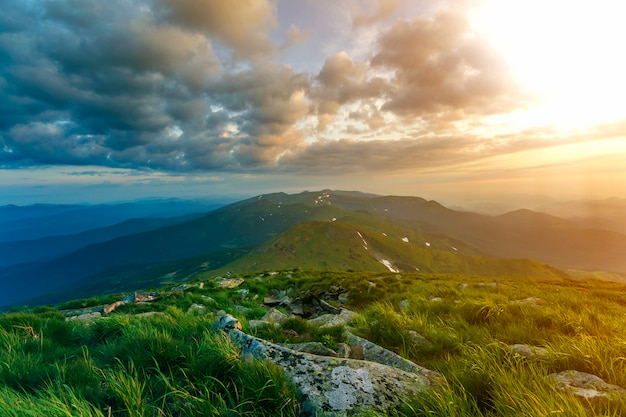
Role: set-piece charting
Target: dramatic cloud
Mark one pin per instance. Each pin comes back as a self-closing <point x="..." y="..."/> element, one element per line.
<point x="441" y="65"/>
<point x="200" y="86"/>
<point x="140" y="84"/>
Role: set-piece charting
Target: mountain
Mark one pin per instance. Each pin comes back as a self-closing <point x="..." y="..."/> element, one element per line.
<point x="46" y="248"/>
<point x="329" y="230"/>
<point x="341" y="246"/>
<point x="42" y="220"/>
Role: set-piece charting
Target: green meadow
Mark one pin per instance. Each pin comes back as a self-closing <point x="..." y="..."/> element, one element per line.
<point x="171" y="364"/>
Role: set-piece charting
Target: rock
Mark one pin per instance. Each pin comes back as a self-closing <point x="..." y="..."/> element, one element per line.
<point x="85" y="316"/>
<point x="340" y="387"/>
<point x="111" y="307"/>
<point x="242" y="309"/>
<point x="271" y="301"/>
<point x="230" y="283"/>
<point x="274" y="316"/>
<point x="200" y="285"/>
<point x="531" y="301"/>
<point x="585" y="385"/>
<point x="296" y="308"/>
<point x="529" y="351"/>
<point x="181" y="287"/>
<point x="196" y="308"/>
<point x="404" y="305"/>
<point x="328" y="307"/>
<point x="141" y="297"/>
<point x="328" y="320"/>
<point x="343" y="297"/>
<point x="343" y="350"/>
<point x="150" y="314"/>
<point x="315" y="348"/>
<point x="243" y="293"/>
<point x="374" y="353"/>
<point x="419" y="341"/>
<point x="82" y="311"/>
<point x="226" y="323"/>
<point x="435" y="299"/>
<point x="208" y="299"/>
<point x="462" y="286"/>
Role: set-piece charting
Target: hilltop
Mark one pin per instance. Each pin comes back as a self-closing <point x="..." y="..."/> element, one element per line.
<point x="333" y="230"/>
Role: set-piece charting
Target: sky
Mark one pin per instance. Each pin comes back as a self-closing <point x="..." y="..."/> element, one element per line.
<point x="121" y="99"/>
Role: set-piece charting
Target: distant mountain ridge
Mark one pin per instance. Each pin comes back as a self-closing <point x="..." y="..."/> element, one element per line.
<point x="409" y="233"/>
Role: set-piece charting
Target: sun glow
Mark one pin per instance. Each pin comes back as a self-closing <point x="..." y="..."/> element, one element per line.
<point x="570" y="53"/>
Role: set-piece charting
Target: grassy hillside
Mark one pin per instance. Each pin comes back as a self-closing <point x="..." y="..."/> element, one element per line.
<point x="169" y="364"/>
<point x="343" y="246"/>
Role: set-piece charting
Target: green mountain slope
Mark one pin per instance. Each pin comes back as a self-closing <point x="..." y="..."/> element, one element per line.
<point x="343" y="246"/>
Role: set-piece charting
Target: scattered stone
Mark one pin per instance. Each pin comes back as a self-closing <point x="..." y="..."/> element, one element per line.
<point x="141" y="297"/>
<point x="81" y="311"/>
<point x="419" y="341"/>
<point x="531" y="301"/>
<point x="404" y="305"/>
<point x="111" y="307"/>
<point x="230" y="283"/>
<point x="296" y="308"/>
<point x="529" y="351"/>
<point x="242" y="309"/>
<point x="243" y="293"/>
<point x="462" y="286"/>
<point x="274" y="316"/>
<point x="150" y="314"/>
<point x="329" y="308"/>
<point x="342" y="387"/>
<point x="343" y="297"/>
<point x="435" y="299"/>
<point x="329" y="320"/>
<point x="487" y="284"/>
<point x="208" y="299"/>
<point x="85" y="316"/>
<point x="584" y="385"/>
<point x="200" y="285"/>
<point x="374" y="353"/>
<point x="181" y="288"/>
<point x="196" y="308"/>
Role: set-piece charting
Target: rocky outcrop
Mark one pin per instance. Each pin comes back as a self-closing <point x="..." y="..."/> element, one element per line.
<point x="338" y="386"/>
<point x="584" y="385"/>
<point x="329" y="320"/>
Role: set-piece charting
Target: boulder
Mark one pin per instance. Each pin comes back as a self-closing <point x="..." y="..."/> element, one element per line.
<point x="274" y="316"/>
<point x="584" y="385"/>
<point x="419" y="341"/>
<point x="82" y="311"/>
<point x="230" y="283"/>
<point x="180" y="288"/>
<point x="197" y="308"/>
<point x="85" y="316"/>
<point x="329" y="320"/>
<point x="529" y="351"/>
<point x="141" y="297"/>
<point x="375" y="353"/>
<point x="337" y="386"/>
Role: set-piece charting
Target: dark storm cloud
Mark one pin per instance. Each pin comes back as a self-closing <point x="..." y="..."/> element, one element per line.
<point x="138" y="84"/>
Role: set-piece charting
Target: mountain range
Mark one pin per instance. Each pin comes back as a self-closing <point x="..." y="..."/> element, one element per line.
<point x="330" y="230"/>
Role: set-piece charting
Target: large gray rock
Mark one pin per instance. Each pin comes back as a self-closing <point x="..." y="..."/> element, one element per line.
<point x="329" y="320"/>
<point x="375" y="353"/>
<point x="586" y="385"/>
<point x="338" y="386"/>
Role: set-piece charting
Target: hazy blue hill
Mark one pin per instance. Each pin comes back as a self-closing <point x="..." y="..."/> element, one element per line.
<point x="240" y="225"/>
<point x="38" y="250"/>
<point x="42" y="220"/>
